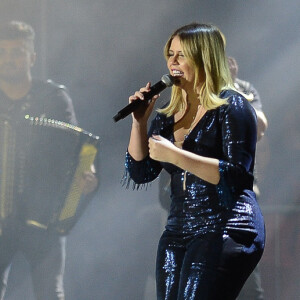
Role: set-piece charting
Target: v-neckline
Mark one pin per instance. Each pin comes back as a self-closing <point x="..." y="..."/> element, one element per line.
<point x="189" y="133"/>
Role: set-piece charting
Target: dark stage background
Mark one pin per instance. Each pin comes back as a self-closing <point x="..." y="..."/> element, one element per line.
<point x="103" y="50"/>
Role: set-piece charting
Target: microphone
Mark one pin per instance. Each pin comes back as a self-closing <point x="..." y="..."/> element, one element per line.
<point x="166" y="81"/>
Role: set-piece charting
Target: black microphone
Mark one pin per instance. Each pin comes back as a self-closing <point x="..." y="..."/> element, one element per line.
<point x="166" y="81"/>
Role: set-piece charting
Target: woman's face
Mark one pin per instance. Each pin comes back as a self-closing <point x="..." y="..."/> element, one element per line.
<point x="179" y="66"/>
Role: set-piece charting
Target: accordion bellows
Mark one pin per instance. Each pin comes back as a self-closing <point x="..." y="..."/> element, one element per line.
<point x="41" y="164"/>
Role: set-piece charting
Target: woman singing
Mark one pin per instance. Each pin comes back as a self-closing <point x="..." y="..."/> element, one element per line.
<point x="205" y="138"/>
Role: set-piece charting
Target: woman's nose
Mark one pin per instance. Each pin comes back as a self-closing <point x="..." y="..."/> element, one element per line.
<point x="174" y="60"/>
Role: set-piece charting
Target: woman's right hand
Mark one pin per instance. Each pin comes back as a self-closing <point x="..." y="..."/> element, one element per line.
<point x="142" y="114"/>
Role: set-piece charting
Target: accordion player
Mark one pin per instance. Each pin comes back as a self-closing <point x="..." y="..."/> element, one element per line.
<point x="52" y="184"/>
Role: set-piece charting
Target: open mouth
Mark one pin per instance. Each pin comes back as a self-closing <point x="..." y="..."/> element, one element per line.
<point x="177" y="73"/>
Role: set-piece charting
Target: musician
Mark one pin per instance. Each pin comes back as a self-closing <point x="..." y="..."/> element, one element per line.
<point x="205" y="138"/>
<point x="21" y="95"/>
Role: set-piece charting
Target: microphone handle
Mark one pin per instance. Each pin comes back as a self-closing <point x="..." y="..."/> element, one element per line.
<point x="155" y="90"/>
<point x="127" y="110"/>
<point x="131" y="107"/>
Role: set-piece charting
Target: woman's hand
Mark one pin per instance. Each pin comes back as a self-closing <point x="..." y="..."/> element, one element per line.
<point x="142" y="114"/>
<point x="205" y="168"/>
<point x="161" y="149"/>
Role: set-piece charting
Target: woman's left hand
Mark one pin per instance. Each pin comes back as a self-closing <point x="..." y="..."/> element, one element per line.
<point x="161" y="149"/>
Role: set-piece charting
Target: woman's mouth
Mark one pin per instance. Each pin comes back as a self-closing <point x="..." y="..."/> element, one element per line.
<point x="177" y="73"/>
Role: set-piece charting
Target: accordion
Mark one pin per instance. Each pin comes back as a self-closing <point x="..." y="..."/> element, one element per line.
<point x="41" y="166"/>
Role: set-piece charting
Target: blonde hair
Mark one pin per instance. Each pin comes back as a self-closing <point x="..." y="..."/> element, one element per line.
<point x="204" y="47"/>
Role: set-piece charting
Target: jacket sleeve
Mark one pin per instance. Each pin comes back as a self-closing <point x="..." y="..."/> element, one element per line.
<point x="59" y="104"/>
<point x="146" y="170"/>
<point x="143" y="171"/>
<point x="238" y="129"/>
<point x="68" y="108"/>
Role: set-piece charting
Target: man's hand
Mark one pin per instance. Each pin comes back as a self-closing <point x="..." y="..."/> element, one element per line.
<point x="88" y="182"/>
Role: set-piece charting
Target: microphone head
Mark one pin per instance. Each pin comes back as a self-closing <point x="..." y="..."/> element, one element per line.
<point x="168" y="80"/>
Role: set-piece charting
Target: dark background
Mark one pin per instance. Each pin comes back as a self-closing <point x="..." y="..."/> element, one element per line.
<point x="103" y="50"/>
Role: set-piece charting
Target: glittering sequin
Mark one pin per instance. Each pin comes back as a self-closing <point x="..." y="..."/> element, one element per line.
<point x="229" y="208"/>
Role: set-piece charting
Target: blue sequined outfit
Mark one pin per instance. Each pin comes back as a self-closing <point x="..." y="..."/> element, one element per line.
<point x="215" y="234"/>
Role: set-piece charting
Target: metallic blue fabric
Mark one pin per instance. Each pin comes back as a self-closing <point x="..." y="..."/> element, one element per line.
<point x="198" y="208"/>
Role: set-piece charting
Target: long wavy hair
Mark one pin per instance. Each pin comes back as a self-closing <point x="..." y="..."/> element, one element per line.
<point x="204" y="47"/>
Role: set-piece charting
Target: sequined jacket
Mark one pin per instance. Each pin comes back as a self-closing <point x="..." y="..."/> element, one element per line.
<point x="227" y="133"/>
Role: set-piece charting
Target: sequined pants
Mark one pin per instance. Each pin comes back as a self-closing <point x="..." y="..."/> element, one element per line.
<point x="206" y="267"/>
